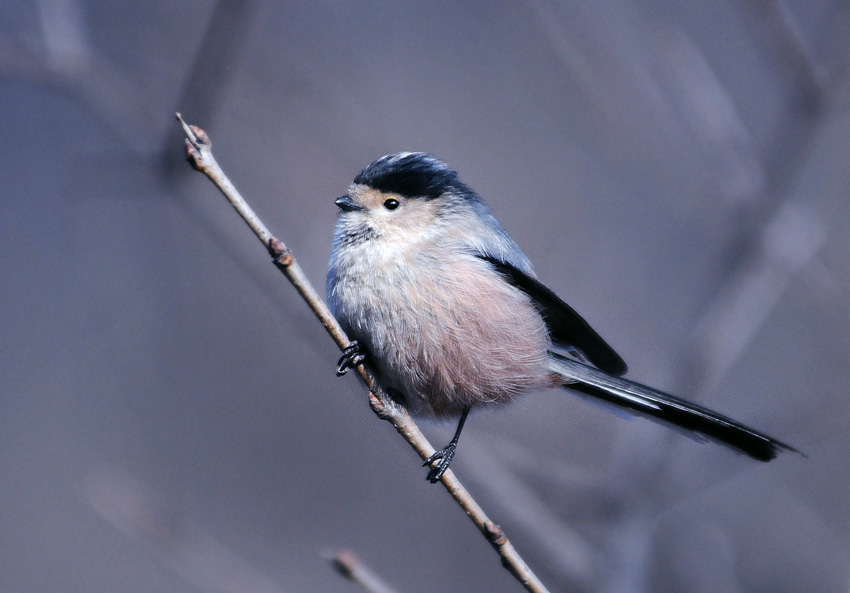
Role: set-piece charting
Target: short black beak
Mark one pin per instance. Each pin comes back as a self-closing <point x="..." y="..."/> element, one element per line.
<point x="346" y="204"/>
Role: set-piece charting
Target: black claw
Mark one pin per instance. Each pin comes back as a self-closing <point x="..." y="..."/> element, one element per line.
<point x="443" y="457"/>
<point x="352" y="356"/>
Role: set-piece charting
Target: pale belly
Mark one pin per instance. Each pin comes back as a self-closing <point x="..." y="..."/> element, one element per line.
<point x="447" y="336"/>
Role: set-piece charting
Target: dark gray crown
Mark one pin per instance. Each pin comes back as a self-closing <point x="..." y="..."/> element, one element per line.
<point x="413" y="175"/>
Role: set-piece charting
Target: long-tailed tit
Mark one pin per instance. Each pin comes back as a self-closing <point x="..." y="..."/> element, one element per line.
<point x="447" y="309"/>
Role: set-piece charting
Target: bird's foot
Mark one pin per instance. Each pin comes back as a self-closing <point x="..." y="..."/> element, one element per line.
<point x="352" y="356"/>
<point x="443" y="458"/>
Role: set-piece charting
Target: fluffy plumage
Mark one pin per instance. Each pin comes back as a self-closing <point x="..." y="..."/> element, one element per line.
<point x="451" y="315"/>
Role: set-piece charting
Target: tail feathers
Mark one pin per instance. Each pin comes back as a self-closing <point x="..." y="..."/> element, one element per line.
<point x="666" y="408"/>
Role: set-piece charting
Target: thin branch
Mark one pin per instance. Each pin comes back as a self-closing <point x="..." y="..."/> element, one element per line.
<point x="199" y="151"/>
<point x="350" y="566"/>
<point x="788" y="244"/>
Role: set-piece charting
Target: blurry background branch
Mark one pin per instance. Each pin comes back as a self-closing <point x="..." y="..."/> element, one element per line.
<point x="195" y="555"/>
<point x="60" y="55"/>
<point x="214" y="66"/>
<point x="352" y="568"/>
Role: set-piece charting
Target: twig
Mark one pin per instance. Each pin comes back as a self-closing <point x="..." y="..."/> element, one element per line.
<point x="349" y="565"/>
<point x="198" y="148"/>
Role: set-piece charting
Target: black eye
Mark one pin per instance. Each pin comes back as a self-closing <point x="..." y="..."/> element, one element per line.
<point x="391" y="204"/>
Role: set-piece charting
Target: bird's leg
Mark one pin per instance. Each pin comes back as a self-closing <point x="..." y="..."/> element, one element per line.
<point x="444" y="456"/>
<point x="352" y="355"/>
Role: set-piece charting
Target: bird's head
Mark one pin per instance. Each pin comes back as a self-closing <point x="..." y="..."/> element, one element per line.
<point x="400" y="195"/>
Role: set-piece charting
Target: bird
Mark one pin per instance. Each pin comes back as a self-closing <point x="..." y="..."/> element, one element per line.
<point x="445" y="308"/>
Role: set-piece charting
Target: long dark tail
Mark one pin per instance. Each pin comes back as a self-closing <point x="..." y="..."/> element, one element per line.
<point x="666" y="408"/>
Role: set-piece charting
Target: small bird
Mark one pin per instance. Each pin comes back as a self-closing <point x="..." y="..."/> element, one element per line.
<point x="446" y="308"/>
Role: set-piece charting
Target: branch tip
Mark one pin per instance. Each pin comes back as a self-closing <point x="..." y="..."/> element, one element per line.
<point x="195" y="135"/>
<point x="185" y="126"/>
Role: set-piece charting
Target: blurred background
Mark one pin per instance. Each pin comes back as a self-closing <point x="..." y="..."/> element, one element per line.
<point x="169" y="415"/>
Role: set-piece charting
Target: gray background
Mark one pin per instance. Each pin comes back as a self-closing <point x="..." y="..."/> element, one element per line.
<point x="169" y="415"/>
